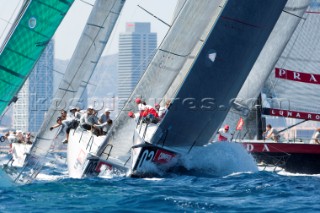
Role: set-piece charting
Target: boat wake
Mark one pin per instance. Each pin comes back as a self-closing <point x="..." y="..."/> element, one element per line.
<point x="219" y="159"/>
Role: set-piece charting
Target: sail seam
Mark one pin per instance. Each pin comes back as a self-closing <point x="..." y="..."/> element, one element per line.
<point x="172" y="53"/>
<point x="293" y="14"/>
<point x="11" y="50"/>
<point x="12" y="72"/>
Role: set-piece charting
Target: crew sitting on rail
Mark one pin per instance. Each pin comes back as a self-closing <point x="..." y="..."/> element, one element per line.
<point x="141" y="105"/>
<point x="163" y="111"/>
<point x="68" y="121"/>
<point x="88" y="119"/>
<point x="19" y="136"/>
<point x="104" y="123"/>
<point x="272" y="133"/>
<point x="102" y="129"/>
<point x="135" y="116"/>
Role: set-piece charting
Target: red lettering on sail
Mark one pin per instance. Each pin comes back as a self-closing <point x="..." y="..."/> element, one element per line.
<point x="297" y="76"/>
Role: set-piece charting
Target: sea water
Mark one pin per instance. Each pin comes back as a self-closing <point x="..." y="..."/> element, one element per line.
<point x="214" y="180"/>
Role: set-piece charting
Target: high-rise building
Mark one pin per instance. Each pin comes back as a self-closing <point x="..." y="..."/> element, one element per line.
<point x="136" y="48"/>
<point x="35" y="96"/>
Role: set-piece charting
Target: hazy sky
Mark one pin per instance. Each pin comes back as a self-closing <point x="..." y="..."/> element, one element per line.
<point x="69" y="31"/>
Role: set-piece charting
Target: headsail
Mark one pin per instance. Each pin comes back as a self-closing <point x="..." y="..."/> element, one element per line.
<point x="34" y="28"/>
<point x="81" y="67"/>
<point x="172" y="54"/>
<point x="292" y="89"/>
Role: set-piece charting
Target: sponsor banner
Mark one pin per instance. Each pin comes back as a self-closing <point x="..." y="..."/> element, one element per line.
<point x="265" y="147"/>
<point x="163" y="156"/>
<point x="291" y="114"/>
<point x="297" y="76"/>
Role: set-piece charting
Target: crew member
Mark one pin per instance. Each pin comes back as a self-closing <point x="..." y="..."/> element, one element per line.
<point x="224" y="134"/>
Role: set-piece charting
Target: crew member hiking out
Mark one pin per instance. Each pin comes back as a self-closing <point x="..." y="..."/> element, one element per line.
<point x="224" y="134"/>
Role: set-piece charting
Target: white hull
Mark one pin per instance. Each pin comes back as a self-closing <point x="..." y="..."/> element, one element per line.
<point x="145" y="157"/>
<point x="81" y="146"/>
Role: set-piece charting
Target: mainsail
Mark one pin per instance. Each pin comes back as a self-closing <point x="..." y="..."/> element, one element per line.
<point x="245" y="101"/>
<point x="218" y="73"/>
<point x="92" y="42"/>
<point x="172" y="54"/>
<point x="292" y="89"/>
<point x="33" y="29"/>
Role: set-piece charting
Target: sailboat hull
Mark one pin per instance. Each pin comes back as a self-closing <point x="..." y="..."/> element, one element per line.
<point x="292" y="157"/>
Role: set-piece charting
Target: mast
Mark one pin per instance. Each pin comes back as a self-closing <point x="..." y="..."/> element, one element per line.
<point x="259" y="120"/>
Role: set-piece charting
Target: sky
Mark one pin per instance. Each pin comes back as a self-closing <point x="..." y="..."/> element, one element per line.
<point x="70" y="29"/>
<point x="68" y="33"/>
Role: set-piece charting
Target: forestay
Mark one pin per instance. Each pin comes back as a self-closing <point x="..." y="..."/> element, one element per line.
<point x="294" y="84"/>
<point x="184" y="34"/>
<point x="31" y="32"/>
<point x="83" y="62"/>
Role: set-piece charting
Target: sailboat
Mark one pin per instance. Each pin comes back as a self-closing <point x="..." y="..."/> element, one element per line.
<point x="29" y="35"/>
<point x="238" y="30"/>
<point x="92" y="42"/>
<point x="291" y="92"/>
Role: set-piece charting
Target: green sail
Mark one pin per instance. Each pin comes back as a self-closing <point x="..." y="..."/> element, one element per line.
<point x="27" y="42"/>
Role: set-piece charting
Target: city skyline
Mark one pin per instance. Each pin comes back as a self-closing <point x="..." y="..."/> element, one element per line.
<point x="36" y="94"/>
<point x="136" y="48"/>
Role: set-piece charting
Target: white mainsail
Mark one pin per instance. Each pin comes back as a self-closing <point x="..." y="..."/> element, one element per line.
<point x="92" y="42"/>
<point x="164" y="67"/>
<point x="294" y="84"/>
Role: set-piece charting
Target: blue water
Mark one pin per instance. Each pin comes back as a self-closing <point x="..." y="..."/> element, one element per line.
<point x="215" y="180"/>
<point x="256" y="192"/>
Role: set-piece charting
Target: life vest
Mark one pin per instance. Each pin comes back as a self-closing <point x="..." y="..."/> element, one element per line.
<point x="148" y="111"/>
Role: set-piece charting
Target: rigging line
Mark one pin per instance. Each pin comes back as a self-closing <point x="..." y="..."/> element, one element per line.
<point x="14" y="11"/>
<point x="86" y="3"/>
<point x="172" y="53"/>
<point x="181" y="8"/>
<point x="289" y="127"/>
<point x="154" y="16"/>
<point x="7" y="21"/>
<point x="293" y="14"/>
